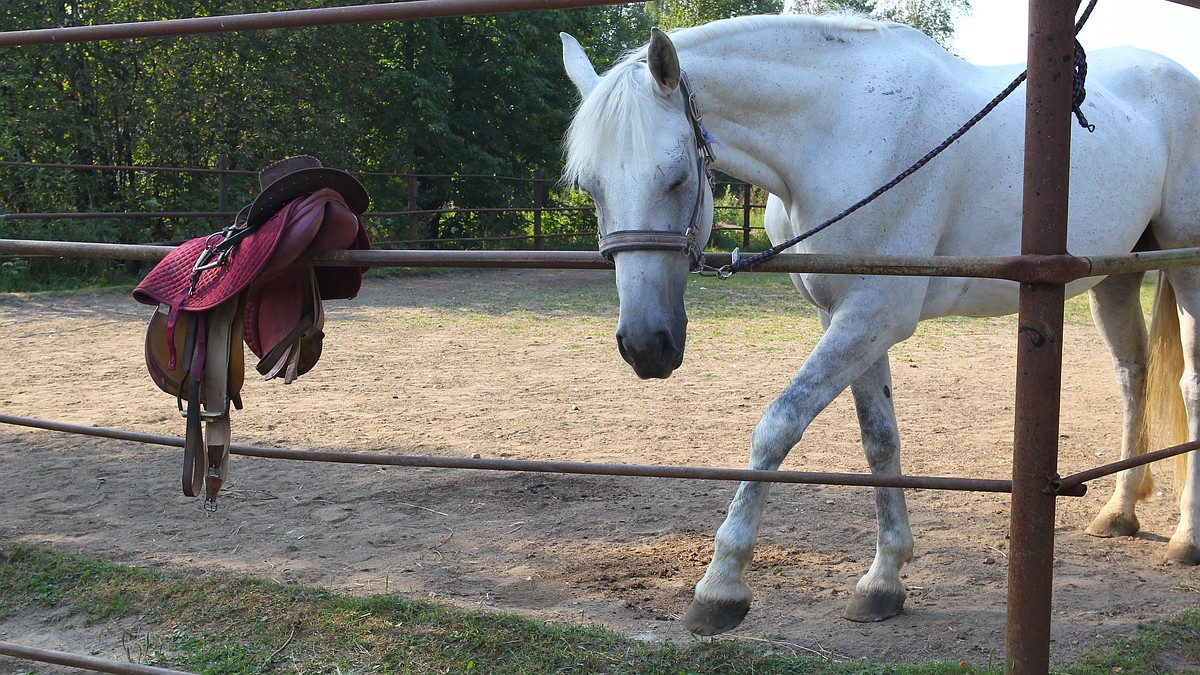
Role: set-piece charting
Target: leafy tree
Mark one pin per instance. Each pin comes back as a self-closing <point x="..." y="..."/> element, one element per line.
<point x="935" y="18"/>
<point x="680" y="13"/>
<point x="477" y="95"/>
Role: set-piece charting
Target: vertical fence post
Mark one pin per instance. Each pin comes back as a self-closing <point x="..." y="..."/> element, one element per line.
<point x="538" y="241"/>
<point x="413" y="221"/>
<point x="223" y="189"/>
<point x="746" y="192"/>
<point x="1039" y="340"/>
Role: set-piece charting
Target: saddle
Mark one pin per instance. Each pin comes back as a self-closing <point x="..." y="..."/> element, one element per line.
<point x="242" y="284"/>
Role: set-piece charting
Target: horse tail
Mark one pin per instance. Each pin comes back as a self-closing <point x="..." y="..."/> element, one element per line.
<point x="1164" y="423"/>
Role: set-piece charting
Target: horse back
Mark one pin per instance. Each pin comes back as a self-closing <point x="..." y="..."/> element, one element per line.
<point x="1165" y="96"/>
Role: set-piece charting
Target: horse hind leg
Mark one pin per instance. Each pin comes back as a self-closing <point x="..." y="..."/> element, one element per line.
<point x="880" y="594"/>
<point x="1184" y="547"/>
<point x="1117" y="312"/>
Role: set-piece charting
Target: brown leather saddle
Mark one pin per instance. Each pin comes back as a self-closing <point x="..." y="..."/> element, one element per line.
<point x="243" y="284"/>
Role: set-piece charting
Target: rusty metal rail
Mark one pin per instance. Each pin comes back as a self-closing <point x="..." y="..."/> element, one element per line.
<point x="639" y="470"/>
<point x="1071" y="485"/>
<point x="300" y="18"/>
<point x="132" y="215"/>
<point x="1074" y="479"/>
<point x="83" y="662"/>
<point x="1040" y="269"/>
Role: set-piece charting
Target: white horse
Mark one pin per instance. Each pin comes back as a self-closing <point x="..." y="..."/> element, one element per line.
<point x="821" y="111"/>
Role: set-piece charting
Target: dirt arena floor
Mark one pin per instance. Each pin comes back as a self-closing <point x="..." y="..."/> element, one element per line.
<point x="463" y="364"/>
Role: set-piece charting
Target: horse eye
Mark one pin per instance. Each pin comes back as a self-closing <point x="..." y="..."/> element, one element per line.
<point x="676" y="184"/>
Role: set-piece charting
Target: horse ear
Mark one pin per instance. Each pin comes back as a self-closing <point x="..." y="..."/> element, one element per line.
<point x="663" y="62"/>
<point x="579" y="67"/>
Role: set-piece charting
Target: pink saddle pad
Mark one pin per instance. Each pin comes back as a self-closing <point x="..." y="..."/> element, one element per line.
<point x="275" y="245"/>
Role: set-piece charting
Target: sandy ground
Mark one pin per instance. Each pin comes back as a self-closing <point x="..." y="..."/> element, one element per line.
<point x="412" y="367"/>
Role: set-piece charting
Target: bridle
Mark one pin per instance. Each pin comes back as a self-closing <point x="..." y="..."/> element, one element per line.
<point x="657" y="240"/>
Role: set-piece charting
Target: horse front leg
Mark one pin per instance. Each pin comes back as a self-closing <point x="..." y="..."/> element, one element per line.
<point x="880" y="594"/>
<point x="851" y="344"/>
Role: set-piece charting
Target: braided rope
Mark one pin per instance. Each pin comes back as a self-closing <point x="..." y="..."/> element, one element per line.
<point x="1077" y="96"/>
<point x="1078" y="93"/>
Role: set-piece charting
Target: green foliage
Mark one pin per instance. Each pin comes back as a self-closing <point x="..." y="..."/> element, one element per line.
<point x="935" y="18"/>
<point x="450" y="97"/>
<point x="730" y="220"/>
<point x="474" y="95"/>
<point x="668" y="14"/>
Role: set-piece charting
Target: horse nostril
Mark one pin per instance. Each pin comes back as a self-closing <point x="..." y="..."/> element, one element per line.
<point x="665" y="344"/>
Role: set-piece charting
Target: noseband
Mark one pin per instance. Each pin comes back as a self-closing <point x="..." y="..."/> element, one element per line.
<point x="655" y="240"/>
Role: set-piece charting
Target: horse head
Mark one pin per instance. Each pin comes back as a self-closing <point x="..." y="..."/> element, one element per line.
<point x="638" y="148"/>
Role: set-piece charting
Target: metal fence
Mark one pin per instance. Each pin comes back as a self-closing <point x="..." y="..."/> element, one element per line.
<point x="736" y="216"/>
<point x="1042" y="272"/>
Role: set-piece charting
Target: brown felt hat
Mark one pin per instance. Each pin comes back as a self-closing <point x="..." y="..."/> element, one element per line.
<point x="294" y="177"/>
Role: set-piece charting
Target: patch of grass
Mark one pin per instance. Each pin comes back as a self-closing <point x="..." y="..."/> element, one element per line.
<point x="32" y="275"/>
<point x="764" y="310"/>
<point x="1171" y="646"/>
<point x="220" y="624"/>
<point x="50" y="580"/>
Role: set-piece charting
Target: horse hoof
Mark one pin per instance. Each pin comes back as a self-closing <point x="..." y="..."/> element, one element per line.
<point x="1179" y="553"/>
<point x="706" y="619"/>
<point x="1114" y="526"/>
<point x="865" y="608"/>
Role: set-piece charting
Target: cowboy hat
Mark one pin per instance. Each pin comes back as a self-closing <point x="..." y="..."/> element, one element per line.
<point x="287" y="179"/>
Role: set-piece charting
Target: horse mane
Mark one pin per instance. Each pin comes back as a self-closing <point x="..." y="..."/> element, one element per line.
<point x="616" y="116"/>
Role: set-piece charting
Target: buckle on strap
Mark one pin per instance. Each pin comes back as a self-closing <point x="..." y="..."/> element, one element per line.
<point x="217" y="248"/>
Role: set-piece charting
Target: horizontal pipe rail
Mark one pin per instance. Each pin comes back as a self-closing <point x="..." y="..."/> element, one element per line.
<point x="78" y="215"/>
<point x="377" y="258"/>
<point x="132" y="215"/>
<point x="639" y="470"/>
<point x="123" y="167"/>
<point x="177" y="169"/>
<point x="356" y="172"/>
<point x="1040" y="269"/>
<point x="81" y="661"/>
<point x="1109" y="469"/>
<point x="299" y="18"/>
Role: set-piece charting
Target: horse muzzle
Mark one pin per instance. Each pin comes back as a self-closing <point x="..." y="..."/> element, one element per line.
<point x="652" y="328"/>
<point x="653" y="354"/>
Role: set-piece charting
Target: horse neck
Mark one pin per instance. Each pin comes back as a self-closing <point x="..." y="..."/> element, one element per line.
<point x="773" y="98"/>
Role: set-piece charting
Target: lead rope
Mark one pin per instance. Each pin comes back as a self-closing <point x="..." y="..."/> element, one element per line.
<point x="1078" y="94"/>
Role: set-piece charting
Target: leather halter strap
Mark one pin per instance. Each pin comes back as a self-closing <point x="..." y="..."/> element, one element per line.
<point x="657" y="240"/>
